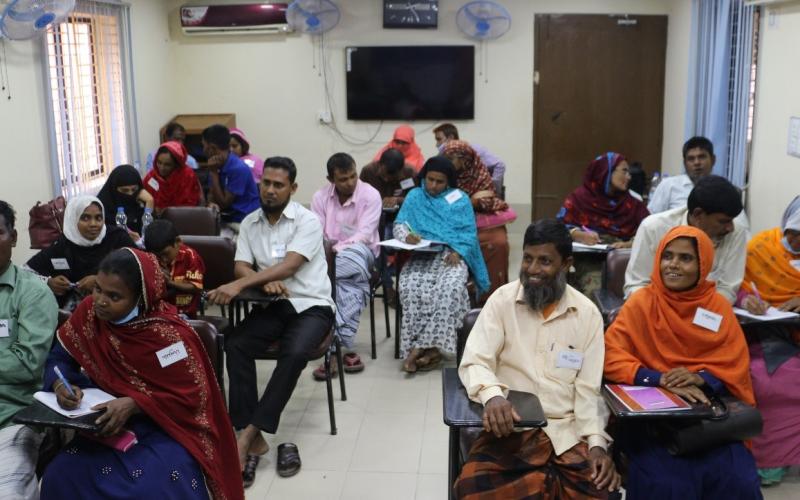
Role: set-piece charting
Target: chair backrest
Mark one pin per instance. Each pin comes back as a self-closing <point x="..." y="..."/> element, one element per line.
<point x="330" y="257"/>
<point x="196" y="221"/>
<point x="614" y="274"/>
<point x="463" y="332"/>
<point x="217" y="253"/>
<point x="213" y="343"/>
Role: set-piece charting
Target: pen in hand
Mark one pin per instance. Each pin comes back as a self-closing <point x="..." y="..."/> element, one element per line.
<point x="64" y="381"/>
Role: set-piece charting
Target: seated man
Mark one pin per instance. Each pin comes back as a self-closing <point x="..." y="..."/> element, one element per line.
<point x="538" y="335"/>
<point x="712" y="206"/>
<point x="183" y="267"/>
<point x="391" y="176"/>
<point x="231" y="187"/>
<point x="28" y="318"/>
<point x="448" y="132"/>
<point x="349" y="211"/>
<point x="672" y="192"/>
<point x="279" y="250"/>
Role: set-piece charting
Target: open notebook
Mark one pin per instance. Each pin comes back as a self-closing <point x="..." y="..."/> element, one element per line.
<point x="772" y="314"/>
<point x="639" y="398"/>
<point x="91" y="397"/>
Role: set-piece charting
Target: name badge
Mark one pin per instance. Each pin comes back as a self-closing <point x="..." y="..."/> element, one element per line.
<point x="569" y="359"/>
<point x="60" y="264"/>
<point x="4" y="328"/>
<point x="453" y="197"/>
<point x="707" y="319"/>
<point x="153" y="183"/>
<point x="278" y="250"/>
<point x="407" y="183"/>
<point x="795" y="264"/>
<point x="172" y="354"/>
<point x="250" y="163"/>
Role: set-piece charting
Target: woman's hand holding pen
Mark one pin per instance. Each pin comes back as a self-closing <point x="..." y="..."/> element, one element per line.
<point x="65" y="399"/>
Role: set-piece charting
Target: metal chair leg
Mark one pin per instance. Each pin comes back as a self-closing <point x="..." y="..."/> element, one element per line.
<point x="453" y="466"/>
<point x="398" y="313"/>
<point x="372" y="321"/>
<point x="330" y="392"/>
<point x="340" y="366"/>
<point x="386" y="316"/>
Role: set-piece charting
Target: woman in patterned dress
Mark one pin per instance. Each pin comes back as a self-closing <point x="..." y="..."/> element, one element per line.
<point x="433" y="292"/>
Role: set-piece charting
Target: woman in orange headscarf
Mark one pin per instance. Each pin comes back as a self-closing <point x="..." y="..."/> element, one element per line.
<point x="403" y="141"/>
<point x="773" y="268"/>
<point x="655" y="341"/>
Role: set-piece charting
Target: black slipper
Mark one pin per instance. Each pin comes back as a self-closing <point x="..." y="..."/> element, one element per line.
<point x="288" y="460"/>
<point x="249" y="472"/>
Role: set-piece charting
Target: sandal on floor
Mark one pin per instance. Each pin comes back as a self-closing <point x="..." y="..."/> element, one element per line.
<point x="410" y="366"/>
<point x="288" y="460"/>
<point x="249" y="472"/>
<point x="429" y="362"/>
<point x="320" y="375"/>
<point x="352" y="363"/>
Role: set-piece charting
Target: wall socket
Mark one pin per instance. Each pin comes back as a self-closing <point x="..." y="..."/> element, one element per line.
<point x="324" y="116"/>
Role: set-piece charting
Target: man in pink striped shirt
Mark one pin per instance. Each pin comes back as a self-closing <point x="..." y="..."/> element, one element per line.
<point x="349" y="211"/>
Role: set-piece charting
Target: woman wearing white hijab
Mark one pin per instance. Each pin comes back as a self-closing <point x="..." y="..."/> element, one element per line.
<point x="70" y="263"/>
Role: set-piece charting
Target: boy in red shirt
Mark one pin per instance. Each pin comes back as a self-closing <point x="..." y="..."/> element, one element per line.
<point x="182" y="266"/>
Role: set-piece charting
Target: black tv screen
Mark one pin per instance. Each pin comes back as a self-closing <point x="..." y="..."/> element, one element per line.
<point x="411" y="83"/>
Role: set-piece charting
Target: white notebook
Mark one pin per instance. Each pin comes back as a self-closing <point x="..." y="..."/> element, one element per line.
<point x="91" y="397"/>
<point x="772" y="314"/>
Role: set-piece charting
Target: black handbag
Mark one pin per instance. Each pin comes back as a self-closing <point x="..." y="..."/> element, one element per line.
<point x="738" y="422"/>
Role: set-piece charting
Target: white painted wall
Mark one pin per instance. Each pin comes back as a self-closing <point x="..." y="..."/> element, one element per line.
<point x="773" y="173"/>
<point x="270" y="82"/>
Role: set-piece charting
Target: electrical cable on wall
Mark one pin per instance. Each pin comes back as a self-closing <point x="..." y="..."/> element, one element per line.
<point x="5" y="82"/>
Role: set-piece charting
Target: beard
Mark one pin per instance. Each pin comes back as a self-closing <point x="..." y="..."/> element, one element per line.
<point x="274" y="209"/>
<point x="539" y="296"/>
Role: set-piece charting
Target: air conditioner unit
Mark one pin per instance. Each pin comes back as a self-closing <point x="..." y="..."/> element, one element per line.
<point x="235" y="19"/>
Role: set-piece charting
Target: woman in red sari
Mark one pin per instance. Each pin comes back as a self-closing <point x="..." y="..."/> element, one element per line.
<point x="132" y="344"/>
<point x="172" y="183"/>
<point x="602" y="210"/>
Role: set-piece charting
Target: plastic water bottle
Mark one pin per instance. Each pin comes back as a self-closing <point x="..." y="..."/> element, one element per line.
<point x="654" y="182"/>
<point x="147" y="219"/>
<point x="121" y="219"/>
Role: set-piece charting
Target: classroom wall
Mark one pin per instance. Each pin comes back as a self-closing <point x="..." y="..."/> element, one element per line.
<point x="273" y="86"/>
<point x="773" y="173"/>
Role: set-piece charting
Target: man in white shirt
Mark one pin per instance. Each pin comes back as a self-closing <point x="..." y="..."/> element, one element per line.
<point x="538" y="335"/>
<point x="279" y="250"/>
<point x="672" y="192"/>
<point x="712" y="206"/>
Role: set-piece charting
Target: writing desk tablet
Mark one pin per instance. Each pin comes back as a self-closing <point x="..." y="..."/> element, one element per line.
<point x="40" y="415"/>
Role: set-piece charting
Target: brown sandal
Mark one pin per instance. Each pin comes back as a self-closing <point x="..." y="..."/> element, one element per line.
<point x="429" y="360"/>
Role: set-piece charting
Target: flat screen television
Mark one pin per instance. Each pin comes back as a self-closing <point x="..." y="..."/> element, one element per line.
<point x="411" y="83"/>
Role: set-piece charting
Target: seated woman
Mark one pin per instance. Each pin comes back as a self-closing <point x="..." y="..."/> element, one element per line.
<point x="433" y="286"/>
<point x="772" y="278"/>
<point x="602" y="210"/>
<point x="240" y="146"/>
<point x="172" y="183"/>
<point x="403" y="141"/>
<point x="124" y="189"/>
<point x="492" y="213"/>
<point x="70" y="263"/>
<point x="655" y="341"/>
<point x="122" y="340"/>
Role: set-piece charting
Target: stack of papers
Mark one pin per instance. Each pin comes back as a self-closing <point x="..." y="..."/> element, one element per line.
<point x="91" y="397"/>
<point x="772" y="314"/>
<point x="402" y="245"/>
<point x="581" y="246"/>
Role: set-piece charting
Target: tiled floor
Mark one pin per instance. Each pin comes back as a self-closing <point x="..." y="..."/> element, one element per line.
<point x="391" y="445"/>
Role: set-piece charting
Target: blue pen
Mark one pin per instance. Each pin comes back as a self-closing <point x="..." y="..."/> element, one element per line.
<point x="64" y="381"/>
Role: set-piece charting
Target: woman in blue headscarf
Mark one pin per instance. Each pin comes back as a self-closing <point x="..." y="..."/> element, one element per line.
<point x="432" y="288"/>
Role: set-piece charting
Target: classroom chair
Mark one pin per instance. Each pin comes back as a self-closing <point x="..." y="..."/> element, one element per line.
<point x="195" y="221"/>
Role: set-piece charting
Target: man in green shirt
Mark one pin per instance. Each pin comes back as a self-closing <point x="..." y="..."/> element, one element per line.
<point x="28" y="318"/>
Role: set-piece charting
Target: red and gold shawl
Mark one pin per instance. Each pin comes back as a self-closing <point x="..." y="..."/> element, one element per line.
<point x="474" y="176"/>
<point x="183" y="398"/>
<point x="181" y="188"/>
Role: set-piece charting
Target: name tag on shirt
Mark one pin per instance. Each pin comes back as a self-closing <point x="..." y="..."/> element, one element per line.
<point x="407" y="183"/>
<point x="153" y="183"/>
<point x="4" y="328"/>
<point x="278" y="250"/>
<point x="453" y="197"/>
<point x="250" y="163"/>
<point x="569" y="359"/>
<point x="172" y="354"/>
<point x="795" y="264"/>
<point x="707" y="319"/>
<point x="60" y="264"/>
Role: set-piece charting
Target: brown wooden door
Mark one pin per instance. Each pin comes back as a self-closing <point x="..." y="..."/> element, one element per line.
<point x="600" y="88"/>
